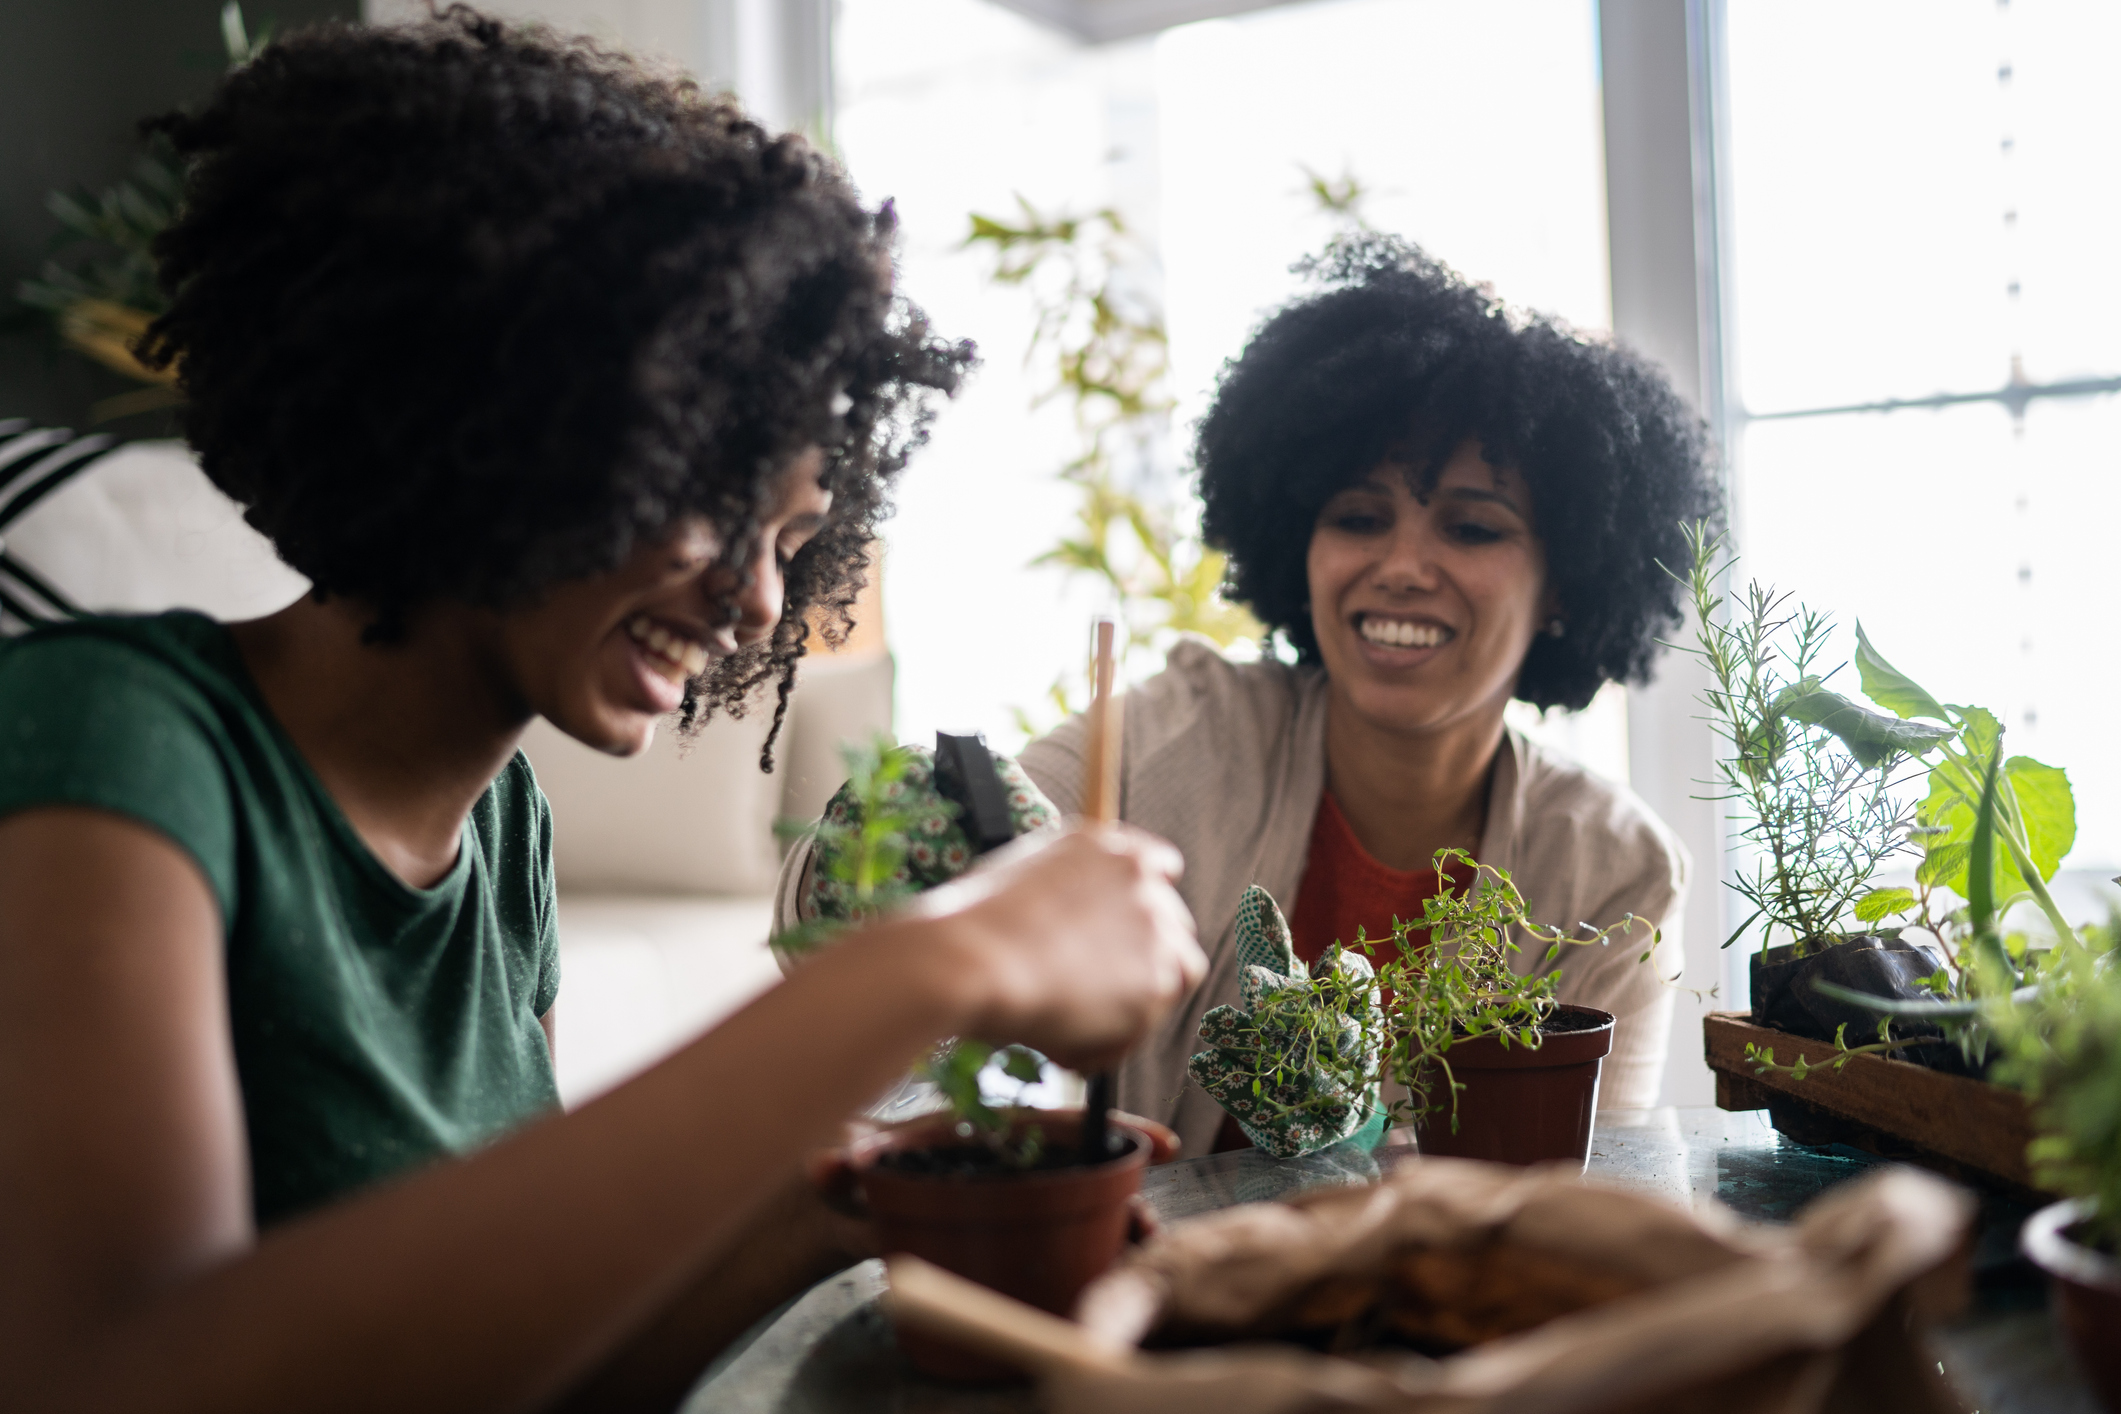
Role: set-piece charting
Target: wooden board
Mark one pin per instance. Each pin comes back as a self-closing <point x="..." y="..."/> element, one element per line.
<point x="1964" y="1122"/>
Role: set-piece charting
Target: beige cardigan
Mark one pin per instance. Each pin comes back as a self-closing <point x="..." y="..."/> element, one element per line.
<point x="1227" y="761"/>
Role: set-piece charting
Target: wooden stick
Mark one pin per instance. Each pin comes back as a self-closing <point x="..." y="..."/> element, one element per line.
<point x="1101" y="771"/>
<point x="1101" y="805"/>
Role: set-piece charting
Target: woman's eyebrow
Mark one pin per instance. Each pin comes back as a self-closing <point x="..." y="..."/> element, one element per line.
<point x="1474" y="493"/>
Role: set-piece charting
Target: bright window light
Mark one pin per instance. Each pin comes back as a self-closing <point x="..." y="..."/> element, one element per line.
<point x="1921" y="205"/>
<point x="1476" y="129"/>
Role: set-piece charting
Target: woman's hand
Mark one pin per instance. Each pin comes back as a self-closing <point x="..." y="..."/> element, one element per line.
<point x="1072" y="944"/>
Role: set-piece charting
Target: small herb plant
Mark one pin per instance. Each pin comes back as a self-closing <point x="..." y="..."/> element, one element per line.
<point x="1345" y="1029"/>
<point x="865" y="853"/>
<point x="1812" y="775"/>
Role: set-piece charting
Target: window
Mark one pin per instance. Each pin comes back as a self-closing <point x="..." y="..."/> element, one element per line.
<point x="1201" y="138"/>
<point x="1924" y="328"/>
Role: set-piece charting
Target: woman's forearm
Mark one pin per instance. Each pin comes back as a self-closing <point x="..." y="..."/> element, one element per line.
<point x="493" y="1282"/>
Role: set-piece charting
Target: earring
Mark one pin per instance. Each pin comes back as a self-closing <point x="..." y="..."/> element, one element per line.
<point x="1556" y="627"/>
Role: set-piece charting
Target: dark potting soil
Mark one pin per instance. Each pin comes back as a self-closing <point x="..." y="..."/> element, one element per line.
<point x="1560" y="1022"/>
<point x="978" y="1161"/>
<point x="1563" y="1021"/>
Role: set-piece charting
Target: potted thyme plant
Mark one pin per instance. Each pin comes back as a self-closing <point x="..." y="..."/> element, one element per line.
<point x="984" y="1187"/>
<point x="1492" y="1066"/>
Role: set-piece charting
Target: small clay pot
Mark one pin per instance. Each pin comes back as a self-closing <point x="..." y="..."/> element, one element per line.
<point x="1519" y="1105"/>
<point x="1040" y="1235"/>
<point x="2085" y="1287"/>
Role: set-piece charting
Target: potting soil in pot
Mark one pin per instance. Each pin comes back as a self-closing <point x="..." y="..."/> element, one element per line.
<point x="1039" y="1233"/>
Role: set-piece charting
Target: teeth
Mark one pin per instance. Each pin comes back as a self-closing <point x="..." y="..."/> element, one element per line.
<point x="684" y="659"/>
<point x="1403" y="633"/>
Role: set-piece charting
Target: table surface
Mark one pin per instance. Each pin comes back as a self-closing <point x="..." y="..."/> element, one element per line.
<point x="831" y="1350"/>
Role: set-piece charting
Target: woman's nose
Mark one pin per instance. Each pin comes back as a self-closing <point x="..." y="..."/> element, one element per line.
<point x="759" y="598"/>
<point x="1409" y="560"/>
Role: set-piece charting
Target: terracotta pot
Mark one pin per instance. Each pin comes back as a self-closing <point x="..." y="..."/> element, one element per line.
<point x="1523" y="1106"/>
<point x="1040" y="1236"/>
<point x="2085" y="1285"/>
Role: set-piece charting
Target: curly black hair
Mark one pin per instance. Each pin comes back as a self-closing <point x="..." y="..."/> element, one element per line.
<point x="1398" y="357"/>
<point x="462" y="310"/>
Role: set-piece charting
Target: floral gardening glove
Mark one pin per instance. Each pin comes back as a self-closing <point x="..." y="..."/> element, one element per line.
<point x="936" y="849"/>
<point x="1264" y="1069"/>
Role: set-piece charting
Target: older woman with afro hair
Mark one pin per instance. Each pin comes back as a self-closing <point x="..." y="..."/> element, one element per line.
<point x="574" y="393"/>
<point x="1439" y="504"/>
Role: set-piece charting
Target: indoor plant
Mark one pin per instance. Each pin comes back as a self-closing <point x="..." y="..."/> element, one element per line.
<point x="2058" y="1039"/>
<point x="2063" y="1046"/>
<point x="1816" y="782"/>
<point x="991" y="1190"/>
<point x="1825" y="789"/>
<point x="1491" y="1064"/>
<point x="99" y="287"/>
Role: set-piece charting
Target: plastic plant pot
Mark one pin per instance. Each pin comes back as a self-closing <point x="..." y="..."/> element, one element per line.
<point x="2085" y="1285"/>
<point x="1039" y="1235"/>
<point x="1520" y="1105"/>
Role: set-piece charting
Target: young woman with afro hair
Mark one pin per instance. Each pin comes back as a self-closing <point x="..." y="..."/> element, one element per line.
<point x="575" y="394"/>
<point x="1439" y="504"/>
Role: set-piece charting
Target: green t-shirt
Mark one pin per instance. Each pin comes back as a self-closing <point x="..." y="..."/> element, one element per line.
<point x="376" y="1026"/>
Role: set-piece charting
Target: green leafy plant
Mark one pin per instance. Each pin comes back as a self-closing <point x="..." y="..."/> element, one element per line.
<point x="2035" y="810"/>
<point x="2056" y="1025"/>
<point x="1339" y="199"/>
<point x="1982" y="959"/>
<point x="1811" y="775"/>
<point x="1402" y="1020"/>
<point x="1104" y="346"/>
<point x="2062" y="1047"/>
<point x="98" y="288"/>
<point x="865" y="854"/>
<point x="1992" y="830"/>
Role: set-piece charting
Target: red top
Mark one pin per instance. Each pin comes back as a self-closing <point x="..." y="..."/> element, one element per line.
<point x="1344" y="889"/>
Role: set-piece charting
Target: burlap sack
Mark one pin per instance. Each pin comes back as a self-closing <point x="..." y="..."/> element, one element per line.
<point x="1567" y="1298"/>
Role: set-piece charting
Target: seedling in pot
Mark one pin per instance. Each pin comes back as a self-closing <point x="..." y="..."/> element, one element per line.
<point x="865" y="854"/>
<point x="1311" y="1045"/>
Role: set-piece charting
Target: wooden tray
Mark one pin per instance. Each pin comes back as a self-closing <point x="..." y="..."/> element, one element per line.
<point x="1960" y="1126"/>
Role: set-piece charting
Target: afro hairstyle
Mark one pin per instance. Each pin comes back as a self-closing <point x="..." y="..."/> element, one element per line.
<point x="462" y="310"/>
<point x="1395" y="357"/>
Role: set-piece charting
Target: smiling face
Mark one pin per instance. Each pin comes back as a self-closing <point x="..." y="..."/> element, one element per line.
<point x="1424" y="607"/>
<point x="602" y="658"/>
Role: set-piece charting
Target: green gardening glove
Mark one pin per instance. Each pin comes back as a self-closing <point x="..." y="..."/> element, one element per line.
<point x="935" y="848"/>
<point x="1264" y="1068"/>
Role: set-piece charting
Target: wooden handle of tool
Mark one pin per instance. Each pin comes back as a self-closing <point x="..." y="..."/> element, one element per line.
<point x="1101" y="771"/>
<point x="927" y="1297"/>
